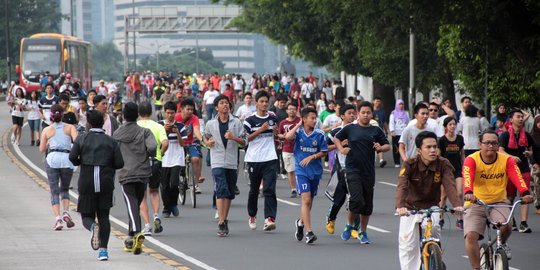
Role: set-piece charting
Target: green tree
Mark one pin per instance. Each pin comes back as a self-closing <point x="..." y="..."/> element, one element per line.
<point x="184" y="60"/>
<point x="27" y="17"/>
<point x="108" y="61"/>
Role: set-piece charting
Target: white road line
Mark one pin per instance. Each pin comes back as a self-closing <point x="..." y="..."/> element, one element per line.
<point x="378" y="229"/>
<point x="327" y="170"/>
<point x="287" y="202"/>
<point x="389" y="184"/>
<point x="511" y="268"/>
<point x="122" y="224"/>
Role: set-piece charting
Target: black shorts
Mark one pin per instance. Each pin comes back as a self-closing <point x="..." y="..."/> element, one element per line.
<point x="17" y="120"/>
<point x="361" y="189"/>
<point x="155" y="179"/>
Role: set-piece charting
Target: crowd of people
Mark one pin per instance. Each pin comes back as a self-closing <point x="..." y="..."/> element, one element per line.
<point x="286" y="125"/>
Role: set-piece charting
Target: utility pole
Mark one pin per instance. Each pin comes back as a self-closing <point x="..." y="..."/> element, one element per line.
<point x="134" y="48"/>
<point x="412" y="92"/>
<point x="8" y="58"/>
<point x="71" y="16"/>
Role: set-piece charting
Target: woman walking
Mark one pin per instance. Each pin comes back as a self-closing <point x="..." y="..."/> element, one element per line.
<point x="56" y="142"/>
<point x="399" y="118"/>
<point x="18" y="105"/>
<point x="32" y="106"/>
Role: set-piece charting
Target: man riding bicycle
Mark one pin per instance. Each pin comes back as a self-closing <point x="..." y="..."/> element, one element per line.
<point x="419" y="187"/>
<point x="485" y="176"/>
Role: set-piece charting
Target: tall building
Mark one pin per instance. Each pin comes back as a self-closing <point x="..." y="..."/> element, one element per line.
<point x="93" y="20"/>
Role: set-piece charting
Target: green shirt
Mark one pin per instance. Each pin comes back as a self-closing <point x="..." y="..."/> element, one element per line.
<point x="158" y="131"/>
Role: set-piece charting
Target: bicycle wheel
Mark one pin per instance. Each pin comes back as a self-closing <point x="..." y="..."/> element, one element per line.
<point x="191" y="182"/>
<point x="500" y="260"/>
<point x="182" y="190"/>
<point x="435" y="257"/>
<point x="485" y="257"/>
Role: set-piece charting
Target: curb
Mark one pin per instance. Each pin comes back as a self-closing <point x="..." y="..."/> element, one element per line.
<point x="73" y="206"/>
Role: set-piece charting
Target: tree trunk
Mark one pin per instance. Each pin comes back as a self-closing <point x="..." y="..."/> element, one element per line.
<point x="448" y="89"/>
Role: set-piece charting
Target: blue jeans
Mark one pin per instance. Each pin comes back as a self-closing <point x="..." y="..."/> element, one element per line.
<point x="224" y="182"/>
<point x="59" y="180"/>
<point x="210" y="111"/>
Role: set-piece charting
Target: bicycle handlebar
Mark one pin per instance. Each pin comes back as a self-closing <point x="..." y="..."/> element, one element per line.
<point x="499" y="205"/>
<point x="429" y="211"/>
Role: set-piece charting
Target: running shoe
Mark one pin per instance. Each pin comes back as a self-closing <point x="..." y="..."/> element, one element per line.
<point x="221" y="229"/>
<point x="310" y="237"/>
<point x="269" y="224"/>
<point x="363" y="238"/>
<point x="175" y="210"/>
<point x="382" y="163"/>
<point x="299" y="232"/>
<point x="459" y="224"/>
<point x="12" y="138"/>
<point x="58" y="225"/>
<point x="524" y="227"/>
<point x="226" y="226"/>
<point x="165" y="214"/>
<point x="197" y="189"/>
<point x="157" y="225"/>
<point x="294" y="193"/>
<point x="103" y="255"/>
<point x="128" y="244"/>
<point x="397" y="166"/>
<point x="346" y="234"/>
<point x="67" y="218"/>
<point x="94" y="236"/>
<point x="236" y="190"/>
<point x="354" y="233"/>
<point x="330" y="224"/>
<point x="252" y="222"/>
<point x="514" y="226"/>
<point x="137" y="243"/>
<point x="147" y="231"/>
<point x="216" y="215"/>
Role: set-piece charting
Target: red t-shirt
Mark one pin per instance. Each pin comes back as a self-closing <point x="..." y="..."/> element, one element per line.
<point x="284" y="127"/>
<point x="215" y="82"/>
<point x="190" y="124"/>
<point x="230" y="94"/>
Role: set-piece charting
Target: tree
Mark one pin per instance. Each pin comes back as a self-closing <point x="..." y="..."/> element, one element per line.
<point x="107" y="60"/>
<point x="27" y="17"/>
<point x="184" y="60"/>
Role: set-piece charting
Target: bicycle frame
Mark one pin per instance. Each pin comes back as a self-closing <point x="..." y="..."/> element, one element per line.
<point x="497" y="225"/>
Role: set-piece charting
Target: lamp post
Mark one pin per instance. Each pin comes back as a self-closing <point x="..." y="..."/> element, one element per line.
<point x="8" y="58"/>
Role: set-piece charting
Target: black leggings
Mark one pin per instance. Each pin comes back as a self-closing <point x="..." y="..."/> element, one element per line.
<point x="395" y="149"/>
<point x="104" y="225"/>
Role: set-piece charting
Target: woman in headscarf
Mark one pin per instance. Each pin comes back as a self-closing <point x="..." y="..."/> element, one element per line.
<point x="536" y="162"/>
<point x="399" y="119"/>
<point x="500" y="112"/>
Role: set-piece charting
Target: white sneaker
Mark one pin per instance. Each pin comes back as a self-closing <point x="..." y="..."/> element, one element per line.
<point x="147" y="231"/>
<point x="397" y="166"/>
<point x="252" y="222"/>
<point x="269" y="224"/>
<point x="216" y="216"/>
<point x="12" y="138"/>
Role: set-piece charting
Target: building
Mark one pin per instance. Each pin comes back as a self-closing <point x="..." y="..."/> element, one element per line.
<point x="93" y="20"/>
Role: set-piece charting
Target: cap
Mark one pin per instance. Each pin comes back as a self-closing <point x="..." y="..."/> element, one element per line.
<point x="101" y="81"/>
<point x="68" y="76"/>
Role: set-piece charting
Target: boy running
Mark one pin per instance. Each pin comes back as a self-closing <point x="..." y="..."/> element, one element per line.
<point x="309" y="147"/>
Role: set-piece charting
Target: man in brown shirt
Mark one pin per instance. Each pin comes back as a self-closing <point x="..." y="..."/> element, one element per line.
<point x="419" y="187"/>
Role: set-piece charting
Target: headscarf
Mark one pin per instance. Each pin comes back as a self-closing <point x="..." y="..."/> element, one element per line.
<point x="536" y="131"/>
<point x="400" y="114"/>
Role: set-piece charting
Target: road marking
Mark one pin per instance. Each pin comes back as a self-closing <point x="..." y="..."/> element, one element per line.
<point x="378" y="229"/>
<point x="389" y="184"/>
<point x="511" y="268"/>
<point x="327" y="170"/>
<point x="117" y="221"/>
<point x="287" y="202"/>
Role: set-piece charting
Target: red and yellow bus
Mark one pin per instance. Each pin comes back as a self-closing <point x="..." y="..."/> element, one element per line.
<point x="55" y="54"/>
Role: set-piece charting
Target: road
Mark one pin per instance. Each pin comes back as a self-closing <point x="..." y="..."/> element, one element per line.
<point x="191" y="238"/>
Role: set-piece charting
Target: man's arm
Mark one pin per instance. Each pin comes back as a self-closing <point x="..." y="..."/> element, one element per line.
<point x="402" y="190"/>
<point x="292" y="132"/>
<point x="469" y="172"/>
<point x="74" y="154"/>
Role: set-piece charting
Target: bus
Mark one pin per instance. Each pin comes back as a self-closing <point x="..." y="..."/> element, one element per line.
<point x="55" y="54"/>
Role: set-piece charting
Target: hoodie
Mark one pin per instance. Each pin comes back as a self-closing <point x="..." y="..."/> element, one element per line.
<point x="137" y="145"/>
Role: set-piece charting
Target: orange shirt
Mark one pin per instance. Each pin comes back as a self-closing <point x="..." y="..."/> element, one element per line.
<point x="488" y="181"/>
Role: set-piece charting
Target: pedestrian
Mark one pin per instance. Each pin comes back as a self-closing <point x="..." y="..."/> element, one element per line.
<point x="136" y="87"/>
<point x="145" y="112"/>
<point x="469" y="126"/>
<point x="364" y="140"/>
<point x="309" y="147"/>
<point x="261" y="157"/>
<point x="407" y="147"/>
<point x="173" y="161"/>
<point x="32" y="106"/>
<point x="223" y="135"/>
<point x="246" y="109"/>
<point x="287" y="146"/>
<point x="380" y="116"/>
<point x="419" y="187"/>
<point x="399" y="118"/>
<point x="98" y="156"/>
<point x="138" y="146"/>
<point x="45" y="104"/>
<point x="18" y="106"/>
<point x="111" y="124"/>
<point x="56" y="142"/>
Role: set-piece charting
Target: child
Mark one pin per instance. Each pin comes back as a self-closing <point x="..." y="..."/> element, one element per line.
<point x="309" y="147"/>
<point x="500" y="125"/>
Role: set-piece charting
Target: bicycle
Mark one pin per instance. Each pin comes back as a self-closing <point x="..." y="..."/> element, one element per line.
<point x="430" y="246"/>
<point x="498" y="260"/>
<point x="188" y="181"/>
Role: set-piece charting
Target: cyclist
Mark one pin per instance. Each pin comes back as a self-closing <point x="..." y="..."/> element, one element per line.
<point x="485" y="176"/>
<point x="419" y="187"/>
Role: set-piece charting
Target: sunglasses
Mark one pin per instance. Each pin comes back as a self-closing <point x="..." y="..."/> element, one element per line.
<point x="433" y="110"/>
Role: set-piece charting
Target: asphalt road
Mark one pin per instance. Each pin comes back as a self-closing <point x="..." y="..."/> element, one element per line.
<point x="191" y="237"/>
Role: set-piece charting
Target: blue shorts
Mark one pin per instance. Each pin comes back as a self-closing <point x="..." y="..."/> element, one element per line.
<point x="304" y="184"/>
<point x="195" y="151"/>
<point x="224" y="182"/>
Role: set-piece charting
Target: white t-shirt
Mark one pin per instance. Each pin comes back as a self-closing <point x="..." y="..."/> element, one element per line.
<point x="112" y="87"/>
<point x="331" y="120"/>
<point x="209" y="97"/>
<point x="18" y="109"/>
<point x="432" y="125"/>
<point x="244" y="111"/>
<point x="397" y="125"/>
<point x="470" y="128"/>
<point x="321" y="106"/>
<point x="238" y="84"/>
<point x="33" y="107"/>
<point x="307" y="88"/>
<point x="408" y="136"/>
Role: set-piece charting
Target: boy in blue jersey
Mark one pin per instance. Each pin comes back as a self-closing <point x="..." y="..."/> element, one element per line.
<point x="309" y="147"/>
